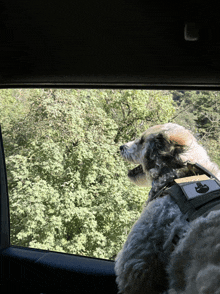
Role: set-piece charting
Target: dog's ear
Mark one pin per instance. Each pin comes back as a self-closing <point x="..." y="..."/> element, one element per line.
<point x="163" y="150"/>
<point x="182" y="138"/>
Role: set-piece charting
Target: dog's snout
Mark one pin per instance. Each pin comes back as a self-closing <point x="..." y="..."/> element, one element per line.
<point x="121" y="147"/>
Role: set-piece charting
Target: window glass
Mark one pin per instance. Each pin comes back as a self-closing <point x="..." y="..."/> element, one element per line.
<point x="68" y="184"/>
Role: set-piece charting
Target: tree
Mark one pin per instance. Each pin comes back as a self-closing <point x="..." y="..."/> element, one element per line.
<point x="135" y="110"/>
<point x="200" y="112"/>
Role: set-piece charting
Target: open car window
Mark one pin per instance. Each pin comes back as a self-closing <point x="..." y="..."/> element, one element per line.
<point x="70" y="201"/>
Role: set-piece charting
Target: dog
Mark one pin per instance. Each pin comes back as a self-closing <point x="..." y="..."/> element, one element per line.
<point x="165" y="252"/>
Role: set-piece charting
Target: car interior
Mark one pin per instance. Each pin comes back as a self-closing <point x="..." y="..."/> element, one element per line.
<point x="132" y="44"/>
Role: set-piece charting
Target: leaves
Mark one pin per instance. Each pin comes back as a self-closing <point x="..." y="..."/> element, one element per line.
<point x="200" y="112"/>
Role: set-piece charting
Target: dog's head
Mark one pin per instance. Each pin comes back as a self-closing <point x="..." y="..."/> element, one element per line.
<point x="161" y="147"/>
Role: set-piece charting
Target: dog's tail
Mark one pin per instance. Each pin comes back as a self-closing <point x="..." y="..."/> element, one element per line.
<point x="208" y="280"/>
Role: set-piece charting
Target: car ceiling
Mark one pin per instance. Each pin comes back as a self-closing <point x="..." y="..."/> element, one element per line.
<point x="131" y="43"/>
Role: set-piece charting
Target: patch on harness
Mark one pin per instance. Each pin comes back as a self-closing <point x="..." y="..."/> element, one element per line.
<point x="197" y="185"/>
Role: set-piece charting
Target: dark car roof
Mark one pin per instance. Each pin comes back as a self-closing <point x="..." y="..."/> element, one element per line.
<point x="109" y="44"/>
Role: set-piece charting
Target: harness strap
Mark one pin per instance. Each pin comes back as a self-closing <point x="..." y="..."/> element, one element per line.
<point x="176" y="193"/>
<point x="194" y="166"/>
<point x="196" y="207"/>
<point x="190" y="203"/>
<point x="195" y="195"/>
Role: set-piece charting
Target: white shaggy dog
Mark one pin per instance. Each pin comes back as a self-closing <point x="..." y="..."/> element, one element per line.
<point x="165" y="252"/>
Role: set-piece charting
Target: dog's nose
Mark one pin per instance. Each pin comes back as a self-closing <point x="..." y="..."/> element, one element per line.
<point x="121" y="147"/>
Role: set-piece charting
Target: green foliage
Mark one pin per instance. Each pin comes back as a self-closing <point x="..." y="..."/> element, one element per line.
<point x="136" y="110"/>
<point x="200" y="112"/>
<point x="184" y="114"/>
<point x="68" y="185"/>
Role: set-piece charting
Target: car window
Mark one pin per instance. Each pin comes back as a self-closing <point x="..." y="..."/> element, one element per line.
<point x="68" y="185"/>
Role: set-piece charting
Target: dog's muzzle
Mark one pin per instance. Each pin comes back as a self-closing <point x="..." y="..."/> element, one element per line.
<point x="135" y="171"/>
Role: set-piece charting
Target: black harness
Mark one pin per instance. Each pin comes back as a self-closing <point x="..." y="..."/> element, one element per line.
<point x="196" y="195"/>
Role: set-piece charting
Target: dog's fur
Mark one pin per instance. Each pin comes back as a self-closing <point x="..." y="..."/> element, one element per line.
<point x="148" y="261"/>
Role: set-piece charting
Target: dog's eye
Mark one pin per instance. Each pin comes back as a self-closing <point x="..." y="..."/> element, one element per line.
<point x="141" y="140"/>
